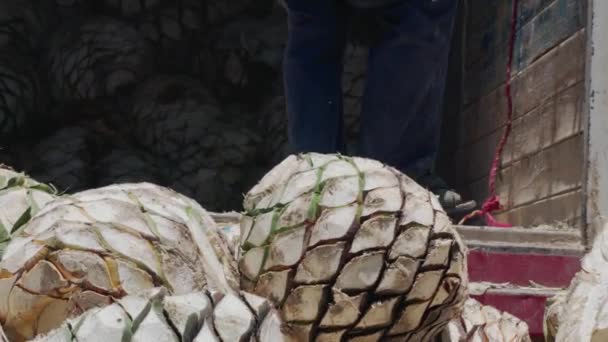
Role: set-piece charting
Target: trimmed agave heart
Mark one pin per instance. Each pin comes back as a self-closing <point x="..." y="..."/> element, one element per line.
<point x="173" y="115"/>
<point x="95" y="58"/>
<point x="21" y="94"/>
<point x="132" y="7"/>
<point x="221" y="12"/>
<point x="353" y="86"/>
<point x="174" y="29"/>
<point x="21" y="198"/>
<point x="179" y="120"/>
<point x="351" y="248"/>
<point x="156" y="316"/>
<point x="24" y="25"/>
<point x="81" y="251"/>
<point x="554" y="307"/>
<point x="484" y="323"/>
<point x="130" y="165"/>
<point x="581" y="312"/>
<point x="63" y="159"/>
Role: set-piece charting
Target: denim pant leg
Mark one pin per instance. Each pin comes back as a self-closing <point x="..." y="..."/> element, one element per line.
<point x="401" y="110"/>
<point x="312" y="74"/>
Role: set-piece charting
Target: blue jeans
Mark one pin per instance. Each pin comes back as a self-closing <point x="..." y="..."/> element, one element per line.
<point x="402" y="101"/>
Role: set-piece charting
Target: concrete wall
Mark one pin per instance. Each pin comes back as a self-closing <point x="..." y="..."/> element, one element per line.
<point x="541" y="171"/>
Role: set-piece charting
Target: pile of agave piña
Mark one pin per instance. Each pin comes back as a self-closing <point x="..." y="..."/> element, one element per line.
<point x="328" y="248"/>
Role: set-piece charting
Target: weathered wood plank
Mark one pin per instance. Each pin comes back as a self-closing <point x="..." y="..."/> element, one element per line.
<point x="478" y="190"/>
<point x="483" y="117"/>
<point x="485" y="74"/>
<point x="565" y="209"/>
<point x="555" y="120"/>
<point x="528" y="9"/>
<point x="489" y="24"/>
<point x="549" y="172"/>
<point x="532" y="177"/>
<point x="527" y="189"/>
<point x="559" y="69"/>
<point x="489" y="28"/>
<point x="524" y="186"/>
<point x="556" y="71"/>
<point x="552" y="25"/>
<point x="474" y="160"/>
<point x="482" y="12"/>
<point x="542" y="162"/>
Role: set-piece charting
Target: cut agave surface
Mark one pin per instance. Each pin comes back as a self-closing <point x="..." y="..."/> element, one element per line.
<point x="84" y="250"/>
<point x="21" y="197"/>
<point x="349" y="248"/>
<point x="156" y="316"/>
<point x="480" y="323"/>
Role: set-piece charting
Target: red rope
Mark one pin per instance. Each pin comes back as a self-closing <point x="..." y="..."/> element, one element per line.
<point x="492" y="203"/>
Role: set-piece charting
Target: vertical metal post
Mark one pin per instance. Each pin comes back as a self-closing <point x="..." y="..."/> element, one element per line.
<point x="595" y="209"/>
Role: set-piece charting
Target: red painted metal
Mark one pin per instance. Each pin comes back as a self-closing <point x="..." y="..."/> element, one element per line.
<point x="520" y="269"/>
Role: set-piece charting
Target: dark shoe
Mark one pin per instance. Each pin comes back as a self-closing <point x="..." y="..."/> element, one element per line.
<point x="450" y="200"/>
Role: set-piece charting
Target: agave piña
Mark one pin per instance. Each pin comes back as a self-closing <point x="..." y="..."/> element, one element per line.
<point x="351" y="248"/>
<point x="88" y="249"/>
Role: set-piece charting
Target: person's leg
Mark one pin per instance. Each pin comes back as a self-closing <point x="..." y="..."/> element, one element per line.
<point x="312" y="74"/>
<point x="401" y="111"/>
<point x="401" y="105"/>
